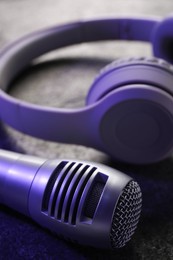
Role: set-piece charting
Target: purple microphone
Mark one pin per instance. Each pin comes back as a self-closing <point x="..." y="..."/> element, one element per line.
<point x="89" y="204"/>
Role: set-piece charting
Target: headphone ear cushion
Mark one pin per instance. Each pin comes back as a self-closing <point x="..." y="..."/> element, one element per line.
<point x="95" y="92"/>
<point x="123" y="72"/>
<point x="162" y="39"/>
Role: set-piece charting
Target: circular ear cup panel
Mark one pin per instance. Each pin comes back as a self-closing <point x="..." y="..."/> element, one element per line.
<point x="138" y="131"/>
<point x="153" y="71"/>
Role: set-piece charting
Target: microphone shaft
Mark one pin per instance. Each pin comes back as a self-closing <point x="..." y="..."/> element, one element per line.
<point x="16" y="175"/>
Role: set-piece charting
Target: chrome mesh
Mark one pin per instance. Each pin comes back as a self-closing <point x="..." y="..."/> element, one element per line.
<point x="126" y="215"/>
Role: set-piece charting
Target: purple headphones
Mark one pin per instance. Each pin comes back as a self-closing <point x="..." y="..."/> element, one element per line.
<point x="129" y="108"/>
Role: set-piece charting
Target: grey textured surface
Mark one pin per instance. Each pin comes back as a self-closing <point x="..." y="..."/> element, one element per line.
<point x="61" y="79"/>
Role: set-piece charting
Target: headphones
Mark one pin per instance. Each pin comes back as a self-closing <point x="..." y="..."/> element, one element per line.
<point x="129" y="107"/>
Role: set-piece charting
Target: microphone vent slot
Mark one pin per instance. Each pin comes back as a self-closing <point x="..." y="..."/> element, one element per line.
<point x="50" y="185"/>
<point x="66" y="193"/>
<point x="93" y="199"/>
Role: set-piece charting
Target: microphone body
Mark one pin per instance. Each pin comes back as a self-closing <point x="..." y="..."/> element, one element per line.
<point x="90" y="204"/>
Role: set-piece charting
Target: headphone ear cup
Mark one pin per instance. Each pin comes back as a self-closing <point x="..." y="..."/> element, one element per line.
<point x="136" y="96"/>
<point x="162" y="39"/>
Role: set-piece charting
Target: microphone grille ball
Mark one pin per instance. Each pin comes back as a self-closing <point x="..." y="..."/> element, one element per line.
<point x="126" y="215"/>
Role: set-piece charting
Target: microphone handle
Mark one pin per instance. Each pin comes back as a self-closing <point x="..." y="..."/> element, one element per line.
<point x="17" y="172"/>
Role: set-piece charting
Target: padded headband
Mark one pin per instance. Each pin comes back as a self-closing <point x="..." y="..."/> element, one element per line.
<point x="15" y="57"/>
<point x="51" y="123"/>
<point x="19" y="54"/>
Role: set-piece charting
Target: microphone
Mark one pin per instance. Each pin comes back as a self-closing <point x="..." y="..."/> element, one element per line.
<point x="89" y="204"/>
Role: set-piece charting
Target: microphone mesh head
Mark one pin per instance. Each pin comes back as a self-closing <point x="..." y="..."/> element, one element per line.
<point x="126" y="215"/>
